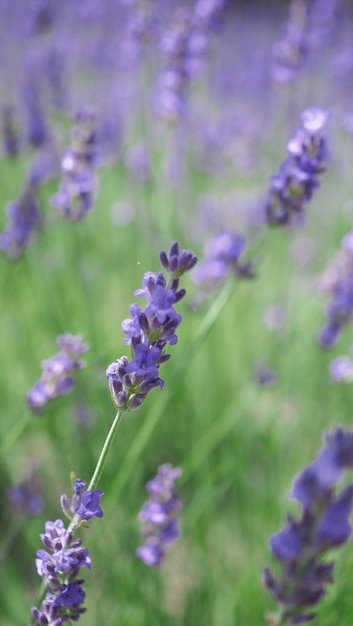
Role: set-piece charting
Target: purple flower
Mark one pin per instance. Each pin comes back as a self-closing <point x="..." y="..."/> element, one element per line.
<point x="341" y="369"/>
<point x="339" y="312"/>
<point x="89" y="506"/>
<point x="76" y="193"/>
<point x="292" y="188"/>
<point x="149" y="332"/>
<point x="324" y="524"/>
<point x="56" y="379"/>
<point x="159" y="515"/>
<point x="23" y="221"/>
<point x="60" y="563"/>
<point x="222" y="256"/>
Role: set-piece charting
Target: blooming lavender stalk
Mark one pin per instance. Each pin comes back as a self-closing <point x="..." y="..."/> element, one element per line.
<point x="302" y="545"/>
<point x="149" y="332"/>
<point x="159" y="515"/>
<point x="338" y="283"/>
<point x="298" y="177"/>
<point x="60" y="563"/>
<point x="23" y="221"/>
<point x="57" y="379"/>
<point x="76" y="193"/>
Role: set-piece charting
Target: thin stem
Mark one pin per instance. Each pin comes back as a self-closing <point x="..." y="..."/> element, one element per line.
<point x="104" y="452"/>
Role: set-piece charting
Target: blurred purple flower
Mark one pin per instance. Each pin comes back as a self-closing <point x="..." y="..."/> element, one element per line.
<point x="222" y="256"/>
<point x="76" y="192"/>
<point x="26" y="496"/>
<point x="57" y="377"/>
<point x="324" y="524"/>
<point x="159" y="515"/>
<point x="340" y="309"/>
<point x="23" y="221"/>
<point x="298" y="177"/>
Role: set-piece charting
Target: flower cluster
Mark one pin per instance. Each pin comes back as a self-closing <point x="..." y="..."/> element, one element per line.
<point x="184" y="47"/>
<point x="338" y="282"/>
<point x="294" y="184"/>
<point x="149" y="332"/>
<point x="57" y="379"/>
<point x="76" y="193"/>
<point x="23" y="221"/>
<point x="222" y="256"/>
<point x="302" y="545"/>
<point x="159" y="515"/>
<point x="60" y="563"/>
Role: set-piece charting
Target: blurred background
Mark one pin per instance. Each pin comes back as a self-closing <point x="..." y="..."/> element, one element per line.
<point x="192" y="106"/>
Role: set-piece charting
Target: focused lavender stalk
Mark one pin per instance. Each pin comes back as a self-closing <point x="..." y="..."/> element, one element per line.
<point x="149" y="332"/>
<point x="76" y="193"/>
<point x="301" y="547"/>
<point x="60" y="563"/>
<point x="159" y="515"/>
<point x="57" y="379"/>
<point x="298" y="177"/>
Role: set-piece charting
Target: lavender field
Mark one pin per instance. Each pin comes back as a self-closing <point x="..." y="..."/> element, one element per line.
<point x="176" y="265"/>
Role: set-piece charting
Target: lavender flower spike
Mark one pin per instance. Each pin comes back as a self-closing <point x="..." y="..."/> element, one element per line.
<point x="149" y="332"/>
<point x="298" y="177"/>
<point x="76" y="193"/>
<point x="57" y="379"/>
<point x="159" y="515"/>
<point x="324" y="524"/>
<point x="63" y="558"/>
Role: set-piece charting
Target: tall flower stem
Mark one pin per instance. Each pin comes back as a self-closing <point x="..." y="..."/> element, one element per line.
<point x="105" y="450"/>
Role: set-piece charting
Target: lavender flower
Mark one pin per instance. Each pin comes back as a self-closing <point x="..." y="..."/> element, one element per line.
<point x="9" y="131"/>
<point x="298" y="177"/>
<point x="341" y="369"/>
<point x="338" y="283"/>
<point x="149" y="332"/>
<point x="222" y="256"/>
<point x="63" y="558"/>
<point x="57" y="379"/>
<point x="324" y="524"/>
<point x="76" y="193"/>
<point x="291" y="50"/>
<point x="26" y="496"/>
<point x="184" y="46"/>
<point x="159" y="515"/>
<point x="37" y="129"/>
<point x="23" y="221"/>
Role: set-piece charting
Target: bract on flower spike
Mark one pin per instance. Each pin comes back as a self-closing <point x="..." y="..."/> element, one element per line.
<point x="324" y="524"/>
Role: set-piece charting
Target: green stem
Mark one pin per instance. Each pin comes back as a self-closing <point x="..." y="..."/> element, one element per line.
<point x="104" y="452"/>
